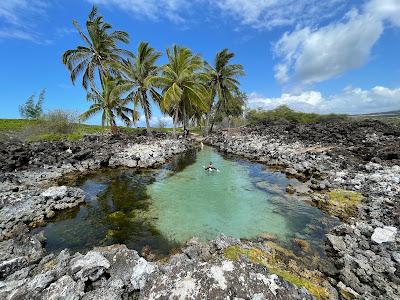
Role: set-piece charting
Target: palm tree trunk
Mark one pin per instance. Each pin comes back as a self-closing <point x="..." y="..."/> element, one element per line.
<point x="175" y="122"/>
<point x="214" y="117"/>
<point x="184" y="117"/>
<point x="146" y="114"/>
<point x="113" y="125"/>
<point x="207" y="123"/>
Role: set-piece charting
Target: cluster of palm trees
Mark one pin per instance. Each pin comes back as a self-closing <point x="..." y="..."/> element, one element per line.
<point x="119" y="82"/>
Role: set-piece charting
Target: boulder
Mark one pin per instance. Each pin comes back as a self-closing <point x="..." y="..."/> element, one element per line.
<point x="55" y="192"/>
<point x="386" y="234"/>
<point x="91" y="266"/>
<point x="337" y="242"/>
<point x="141" y="272"/>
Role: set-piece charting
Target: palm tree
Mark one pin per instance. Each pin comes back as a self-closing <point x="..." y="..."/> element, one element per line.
<point x="109" y="102"/>
<point x="222" y="82"/>
<point x="138" y="72"/>
<point x="99" y="51"/>
<point x="181" y="81"/>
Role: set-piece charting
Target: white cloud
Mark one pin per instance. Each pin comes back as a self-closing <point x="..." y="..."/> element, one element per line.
<point x="312" y="55"/>
<point x="385" y="10"/>
<point x="275" y="13"/>
<point x="17" y="19"/>
<point x="281" y="73"/>
<point x="11" y="10"/>
<point x="155" y="121"/>
<point x="151" y="9"/>
<point x="349" y="101"/>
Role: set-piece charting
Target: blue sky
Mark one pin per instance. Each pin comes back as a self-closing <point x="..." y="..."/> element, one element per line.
<point x="323" y="56"/>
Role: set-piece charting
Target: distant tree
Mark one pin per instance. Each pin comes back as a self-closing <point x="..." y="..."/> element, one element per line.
<point x="233" y="108"/>
<point x="30" y="110"/>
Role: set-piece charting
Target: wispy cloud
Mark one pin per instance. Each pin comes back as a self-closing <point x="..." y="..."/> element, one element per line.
<point x="256" y="13"/>
<point x="172" y="10"/>
<point x="17" y="19"/>
<point x="350" y="101"/>
<point x="269" y="14"/>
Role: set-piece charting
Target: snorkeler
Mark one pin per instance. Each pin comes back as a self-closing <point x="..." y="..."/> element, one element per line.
<point x="210" y="167"/>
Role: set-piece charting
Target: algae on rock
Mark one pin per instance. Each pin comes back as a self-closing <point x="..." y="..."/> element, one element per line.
<point x="284" y="263"/>
<point x="340" y="203"/>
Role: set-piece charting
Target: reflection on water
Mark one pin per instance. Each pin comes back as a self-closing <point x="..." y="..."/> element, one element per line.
<point x="164" y="208"/>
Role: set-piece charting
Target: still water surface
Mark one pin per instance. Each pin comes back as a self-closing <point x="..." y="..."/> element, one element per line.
<point x="166" y="207"/>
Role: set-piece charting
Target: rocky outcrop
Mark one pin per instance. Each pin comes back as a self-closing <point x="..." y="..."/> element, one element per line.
<point x="341" y="161"/>
<point x="31" y="205"/>
<point x="115" y="272"/>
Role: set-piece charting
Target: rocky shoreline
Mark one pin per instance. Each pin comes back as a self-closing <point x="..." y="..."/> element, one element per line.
<point x="341" y="162"/>
<point x="355" y="163"/>
<point x="30" y="195"/>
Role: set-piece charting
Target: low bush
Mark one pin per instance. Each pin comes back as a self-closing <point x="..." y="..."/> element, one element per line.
<point x="55" y="125"/>
<point x="59" y="122"/>
<point x="284" y="113"/>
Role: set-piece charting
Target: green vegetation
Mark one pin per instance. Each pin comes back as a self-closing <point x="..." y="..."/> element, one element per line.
<point x="32" y="130"/>
<point x="99" y="51"/>
<point x="257" y="116"/>
<point x="15" y="125"/>
<point x="108" y="102"/>
<point x="181" y="81"/>
<point x="224" y="86"/>
<point x="340" y="203"/>
<point x="139" y="71"/>
<point x="30" y="110"/>
<point x="283" y="263"/>
<point x="186" y="88"/>
<point x="343" y="203"/>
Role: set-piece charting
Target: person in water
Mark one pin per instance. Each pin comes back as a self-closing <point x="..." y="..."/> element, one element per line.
<point x="210" y="167"/>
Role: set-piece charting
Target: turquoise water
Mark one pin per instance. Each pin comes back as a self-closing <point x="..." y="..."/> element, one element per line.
<point x="201" y="203"/>
<point x="163" y="208"/>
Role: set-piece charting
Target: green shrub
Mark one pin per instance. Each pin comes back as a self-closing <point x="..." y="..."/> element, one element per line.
<point x="284" y="113"/>
<point x="59" y="121"/>
<point x="55" y="125"/>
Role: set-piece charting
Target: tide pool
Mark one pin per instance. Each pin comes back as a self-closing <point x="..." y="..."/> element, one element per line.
<point x="161" y="209"/>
